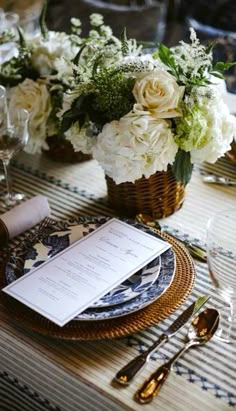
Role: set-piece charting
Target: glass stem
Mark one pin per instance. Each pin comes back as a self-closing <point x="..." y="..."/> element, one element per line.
<point x="233" y="311"/>
<point x="8" y="178"/>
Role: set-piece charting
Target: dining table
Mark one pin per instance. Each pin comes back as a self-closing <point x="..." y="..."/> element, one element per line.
<point x="46" y="372"/>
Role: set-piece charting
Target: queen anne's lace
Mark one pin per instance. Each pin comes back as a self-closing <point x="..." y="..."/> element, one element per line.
<point x="192" y="59"/>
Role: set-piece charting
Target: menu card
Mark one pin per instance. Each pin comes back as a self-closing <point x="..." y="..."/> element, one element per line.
<point x="71" y="281"/>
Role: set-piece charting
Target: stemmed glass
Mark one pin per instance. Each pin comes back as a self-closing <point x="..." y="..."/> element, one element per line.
<point x="13" y="137"/>
<point x="3" y="113"/>
<point x="221" y="255"/>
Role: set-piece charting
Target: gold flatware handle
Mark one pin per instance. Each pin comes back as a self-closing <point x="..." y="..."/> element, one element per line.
<point x="153" y="384"/>
<point x="196" y="251"/>
<point x="127" y="373"/>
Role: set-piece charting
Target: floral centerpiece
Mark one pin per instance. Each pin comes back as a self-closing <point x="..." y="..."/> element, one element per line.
<point x="149" y="114"/>
<point x="42" y="70"/>
<point x="145" y="113"/>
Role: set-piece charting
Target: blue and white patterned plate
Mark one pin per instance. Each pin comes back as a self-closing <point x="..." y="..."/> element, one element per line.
<point x="46" y="245"/>
<point x="154" y="292"/>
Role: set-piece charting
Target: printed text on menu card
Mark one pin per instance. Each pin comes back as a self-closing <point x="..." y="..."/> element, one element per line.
<point x="70" y="282"/>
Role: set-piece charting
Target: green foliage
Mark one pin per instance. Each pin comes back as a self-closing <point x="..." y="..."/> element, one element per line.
<point x="182" y="167"/>
<point x="42" y="20"/>
<point x="124" y="43"/>
<point x="14" y="71"/>
<point x="114" y="96"/>
<point x="78" y="55"/>
<point x="190" y="64"/>
<point x="6" y="35"/>
<point x="110" y="99"/>
<point x="167" y="57"/>
<point x="220" y="67"/>
<point x="22" y="42"/>
<point x="56" y="102"/>
<point x="79" y="112"/>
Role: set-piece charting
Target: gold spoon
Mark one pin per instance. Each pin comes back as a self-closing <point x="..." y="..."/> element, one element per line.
<point x="200" y="332"/>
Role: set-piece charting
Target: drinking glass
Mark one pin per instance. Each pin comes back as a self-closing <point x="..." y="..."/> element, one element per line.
<point x="13" y="137"/>
<point x="221" y="254"/>
<point x="3" y="113"/>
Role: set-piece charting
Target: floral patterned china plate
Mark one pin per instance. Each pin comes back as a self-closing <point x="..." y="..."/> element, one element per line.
<point x="150" y="295"/>
<point x="47" y="245"/>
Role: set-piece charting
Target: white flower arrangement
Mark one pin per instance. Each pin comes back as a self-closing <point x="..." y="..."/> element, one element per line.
<point x="42" y="70"/>
<point x="34" y="97"/>
<point x="150" y="113"/>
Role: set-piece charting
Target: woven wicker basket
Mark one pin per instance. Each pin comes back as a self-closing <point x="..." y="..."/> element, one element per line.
<point x="62" y="150"/>
<point x="158" y="196"/>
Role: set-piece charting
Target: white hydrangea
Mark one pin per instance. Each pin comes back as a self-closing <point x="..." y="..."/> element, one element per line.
<point x="64" y="70"/>
<point x="81" y="138"/>
<point x="220" y="132"/>
<point x="46" y="51"/>
<point x="137" y="145"/>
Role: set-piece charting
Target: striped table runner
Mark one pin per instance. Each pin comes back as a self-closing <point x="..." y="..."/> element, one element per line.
<point x="39" y="373"/>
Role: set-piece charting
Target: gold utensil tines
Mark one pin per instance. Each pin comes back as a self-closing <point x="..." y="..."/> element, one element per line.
<point x="200" y="332"/>
<point x="128" y="372"/>
<point x="195" y="250"/>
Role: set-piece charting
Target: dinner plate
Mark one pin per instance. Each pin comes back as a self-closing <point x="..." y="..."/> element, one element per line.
<point x="16" y="266"/>
<point x="174" y="296"/>
<point x="47" y="244"/>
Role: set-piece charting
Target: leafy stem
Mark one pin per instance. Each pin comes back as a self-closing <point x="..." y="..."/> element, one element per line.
<point x="42" y="21"/>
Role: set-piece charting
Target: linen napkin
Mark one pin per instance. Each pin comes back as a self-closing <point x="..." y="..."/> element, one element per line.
<point x="23" y="217"/>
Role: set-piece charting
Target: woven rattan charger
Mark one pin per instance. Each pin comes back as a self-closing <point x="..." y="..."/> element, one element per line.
<point x="169" y="301"/>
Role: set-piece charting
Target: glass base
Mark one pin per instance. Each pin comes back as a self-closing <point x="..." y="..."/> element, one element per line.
<point x="226" y="331"/>
<point x="15" y="199"/>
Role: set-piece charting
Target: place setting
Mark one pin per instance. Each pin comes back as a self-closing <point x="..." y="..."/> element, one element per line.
<point x="150" y="294"/>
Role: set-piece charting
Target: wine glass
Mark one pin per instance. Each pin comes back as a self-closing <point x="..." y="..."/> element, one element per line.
<point x="3" y="113"/>
<point x="221" y="255"/>
<point x="13" y="137"/>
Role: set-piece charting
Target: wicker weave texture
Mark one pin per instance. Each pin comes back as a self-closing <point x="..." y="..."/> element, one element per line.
<point x="61" y="150"/>
<point x="158" y="196"/>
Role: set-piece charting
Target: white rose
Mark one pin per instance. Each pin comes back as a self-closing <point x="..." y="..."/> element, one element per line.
<point x="159" y="93"/>
<point x="45" y="52"/>
<point x="81" y="138"/>
<point x="137" y="145"/>
<point x="34" y="97"/>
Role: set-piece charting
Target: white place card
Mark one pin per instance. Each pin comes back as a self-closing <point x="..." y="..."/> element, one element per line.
<point x="71" y="281"/>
